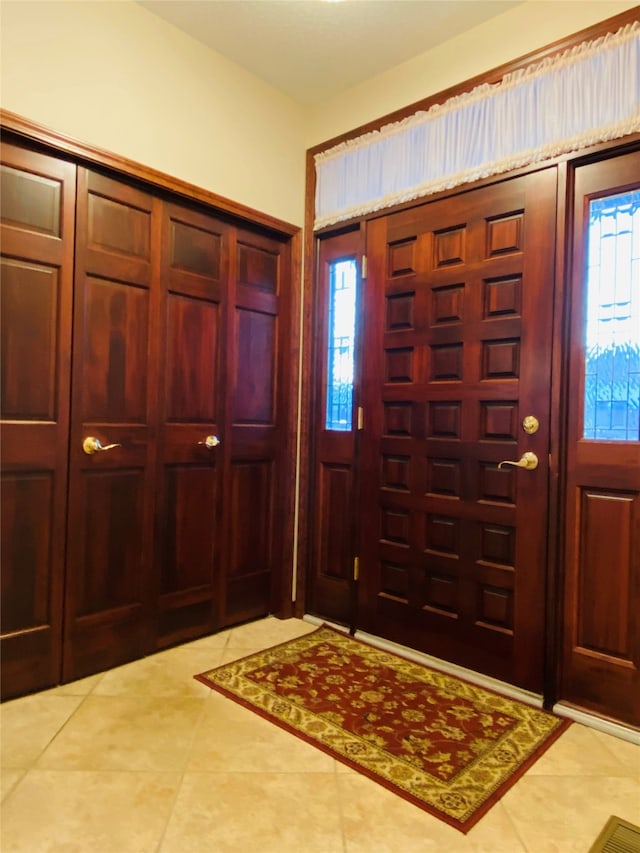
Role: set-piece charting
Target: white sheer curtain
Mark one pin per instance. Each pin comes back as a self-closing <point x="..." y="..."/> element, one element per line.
<point x="589" y="94"/>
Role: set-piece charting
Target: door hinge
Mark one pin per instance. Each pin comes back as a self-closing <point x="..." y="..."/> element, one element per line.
<point x="364" y="266"/>
<point x="360" y="419"/>
<point x="356" y="568"/>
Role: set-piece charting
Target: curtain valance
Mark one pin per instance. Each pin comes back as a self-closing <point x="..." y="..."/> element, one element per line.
<point x="588" y="94"/>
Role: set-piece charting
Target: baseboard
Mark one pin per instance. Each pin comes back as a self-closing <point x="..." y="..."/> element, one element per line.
<point x="609" y="727"/>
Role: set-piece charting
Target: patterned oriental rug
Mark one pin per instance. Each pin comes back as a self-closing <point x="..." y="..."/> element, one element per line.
<point x="446" y="745"/>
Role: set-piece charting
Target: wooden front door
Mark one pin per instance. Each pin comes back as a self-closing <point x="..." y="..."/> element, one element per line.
<point x="457" y="357"/>
<point x="38" y="198"/>
<point x="109" y="584"/>
<point x="601" y="638"/>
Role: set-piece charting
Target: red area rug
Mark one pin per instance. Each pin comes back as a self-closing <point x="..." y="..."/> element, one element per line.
<point x="445" y="745"/>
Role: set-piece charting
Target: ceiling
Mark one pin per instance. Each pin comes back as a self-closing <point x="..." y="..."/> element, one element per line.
<point x="313" y="49"/>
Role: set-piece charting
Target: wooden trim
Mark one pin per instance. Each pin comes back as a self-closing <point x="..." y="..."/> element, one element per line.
<point x="25" y="129"/>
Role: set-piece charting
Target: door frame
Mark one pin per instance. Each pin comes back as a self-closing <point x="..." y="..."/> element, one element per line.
<point x="28" y="134"/>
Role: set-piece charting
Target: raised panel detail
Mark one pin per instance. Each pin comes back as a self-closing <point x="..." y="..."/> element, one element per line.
<point x="449" y="247"/>
<point x="495" y="608"/>
<point x="399" y="365"/>
<point x="192" y="356"/>
<point x="395" y="526"/>
<point x="397" y="419"/>
<point x="112" y="529"/>
<point x="447" y="304"/>
<point x="334" y="529"/>
<point x="117" y="227"/>
<point x="443" y="477"/>
<point x="195" y="249"/>
<point x="31" y="202"/>
<point x="250" y="546"/>
<point x="442" y="534"/>
<point x="253" y="399"/>
<point x="501" y="359"/>
<point x="505" y="234"/>
<point x="499" y="421"/>
<point x="401" y="258"/>
<point x="257" y="268"/>
<point x="608" y="545"/>
<point x="496" y="484"/>
<point x="400" y="308"/>
<point x="444" y="420"/>
<point x="394" y="580"/>
<point x="446" y="362"/>
<point x="29" y="332"/>
<point x="396" y="472"/>
<point x="498" y="545"/>
<point x="441" y="594"/>
<point x="115" y="352"/>
<point x="502" y="297"/>
<point x="26" y="549"/>
<point x="186" y="557"/>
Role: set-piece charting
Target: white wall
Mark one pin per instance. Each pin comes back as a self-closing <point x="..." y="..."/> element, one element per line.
<point x="512" y="34"/>
<point x="113" y="75"/>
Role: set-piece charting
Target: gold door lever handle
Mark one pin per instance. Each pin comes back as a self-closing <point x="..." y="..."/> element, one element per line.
<point x="92" y="445"/>
<point x="528" y="460"/>
<point x="210" y="442"/>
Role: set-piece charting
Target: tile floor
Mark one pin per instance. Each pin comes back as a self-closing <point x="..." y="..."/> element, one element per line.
<point x="144" y="758"/>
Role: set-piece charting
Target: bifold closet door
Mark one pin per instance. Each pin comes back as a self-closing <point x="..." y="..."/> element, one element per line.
<point x="109" y="607"/>
<point x="38" y="198"/>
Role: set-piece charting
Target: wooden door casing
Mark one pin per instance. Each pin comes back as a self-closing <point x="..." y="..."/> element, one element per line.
<point x="600" y="667"/>
<point x="109" y="583"/>
<point x="457" y="352"/>
<point x="37" y="233"/>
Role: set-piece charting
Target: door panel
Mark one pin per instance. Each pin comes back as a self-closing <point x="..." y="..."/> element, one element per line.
<point x="457" y="354"/>
<point x="331" y="587"/>
<point x="194" y="286"/>
<point x="253" y="449"/>
<point x="601" y="647"/>
<point x="37" y="195"/>
<point x="109" y="590"/>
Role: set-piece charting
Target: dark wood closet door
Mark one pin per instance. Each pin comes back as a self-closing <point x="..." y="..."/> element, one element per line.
<point x="109" y="592"/>
<point x="253" y="445"/>
<point x="457" y="355"/>
<point x="38" y="196"/>
<point x="195" y="284"/>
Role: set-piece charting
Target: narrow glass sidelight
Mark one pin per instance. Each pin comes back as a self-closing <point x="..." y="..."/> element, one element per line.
<point x="341" y="344"/>
<point x="612" y="360"/>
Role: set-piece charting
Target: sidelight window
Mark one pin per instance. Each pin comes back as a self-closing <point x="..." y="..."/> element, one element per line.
<point x="341" y="344"/>
<point x="612" y="362"/>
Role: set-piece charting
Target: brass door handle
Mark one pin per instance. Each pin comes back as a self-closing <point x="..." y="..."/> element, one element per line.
<point x="528" y="460"/>
<point x="92" y="445"/>
<point x="210" y="442"/>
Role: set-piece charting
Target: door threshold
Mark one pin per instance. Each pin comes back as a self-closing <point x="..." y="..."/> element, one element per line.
<point x="602" y="724"/>
<point x="477" y="678"/>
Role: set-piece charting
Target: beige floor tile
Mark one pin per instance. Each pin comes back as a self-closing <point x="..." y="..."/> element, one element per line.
<point x="566" y="757"/>
<point x="554" y="814"/>
<point x="246" y="812"/>
<point x="628" y="754"/>
<point x="81" y="687"/>
<point x="126" y="733"/>
<point x="233" y="739"/>
<point x="87" y="812"/>
<point x="267" y="632"/>
<point x="8" y="779"/>
<point x="27" y="725"/>
<point x="169" y="673"/>
<point x="377" y="821"/>
<point x="212" y="641"/>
